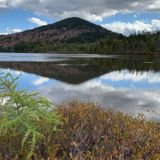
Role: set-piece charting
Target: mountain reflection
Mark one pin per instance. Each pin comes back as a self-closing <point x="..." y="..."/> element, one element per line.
<point x="76" y="71"/>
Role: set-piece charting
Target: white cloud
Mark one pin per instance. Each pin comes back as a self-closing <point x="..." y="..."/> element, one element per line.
<point x="37" y="21"/>
<point x="9" y="31"/>
<point x="89" y="9"/>
<point x="135" y="27"/>
<point x="40" y="81"/>
<point x="155" y="5"/>
<point x="4" y="33"/>
<point x="15" y="30"/>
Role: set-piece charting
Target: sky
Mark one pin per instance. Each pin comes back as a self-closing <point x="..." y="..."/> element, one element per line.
<point x="122" y="16"/>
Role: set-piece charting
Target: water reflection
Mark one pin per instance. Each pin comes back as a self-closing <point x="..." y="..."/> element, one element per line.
<point x="127" y="84"/>
<point x="127" y="100"/>
<point x="44" y="57"/>
<point x="78" y="69"/>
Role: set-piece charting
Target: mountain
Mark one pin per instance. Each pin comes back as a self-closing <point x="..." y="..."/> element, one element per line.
<point x="71" y="30"/>
<point x="75" y="35"/>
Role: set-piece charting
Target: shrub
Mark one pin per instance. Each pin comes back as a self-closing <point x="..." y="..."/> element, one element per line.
<point x="27" y="124"/>
<point x="90" y="132"/>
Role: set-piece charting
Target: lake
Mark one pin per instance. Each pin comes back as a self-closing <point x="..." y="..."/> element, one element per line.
<point x="130" y="84"/>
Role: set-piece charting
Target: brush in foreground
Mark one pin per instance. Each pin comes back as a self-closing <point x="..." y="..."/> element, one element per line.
<point x="90" y="132"/>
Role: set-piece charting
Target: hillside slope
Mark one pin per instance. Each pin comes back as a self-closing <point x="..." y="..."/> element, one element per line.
<point x="71" y="30"/>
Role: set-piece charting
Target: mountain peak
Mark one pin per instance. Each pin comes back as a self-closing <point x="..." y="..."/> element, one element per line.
<point x="75" y="23"/>
<point x="70" y="30"/>
<point x="73" y="18"/>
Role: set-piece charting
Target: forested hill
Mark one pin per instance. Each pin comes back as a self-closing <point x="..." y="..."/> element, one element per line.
<point x="78" y="36"/>
<point x="142" y="43"/>
<point x="71" y="30"/>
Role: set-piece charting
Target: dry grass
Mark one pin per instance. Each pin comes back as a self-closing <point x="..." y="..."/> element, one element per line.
<point x="90" y="132"/>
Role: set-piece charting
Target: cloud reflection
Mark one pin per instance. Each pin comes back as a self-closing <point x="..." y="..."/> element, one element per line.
<point x="39" y="81"/>
<point x="150" y="76"/>
<point x="97" y="91"/>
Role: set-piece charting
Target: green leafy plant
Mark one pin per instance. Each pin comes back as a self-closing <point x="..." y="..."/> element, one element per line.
<point x="27" y="124"/>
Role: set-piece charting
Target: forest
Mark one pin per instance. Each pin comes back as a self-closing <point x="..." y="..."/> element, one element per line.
<point x="142" y="43"/>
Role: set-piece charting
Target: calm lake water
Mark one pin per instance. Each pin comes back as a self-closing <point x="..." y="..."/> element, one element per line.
<point x="130" y="84"/>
